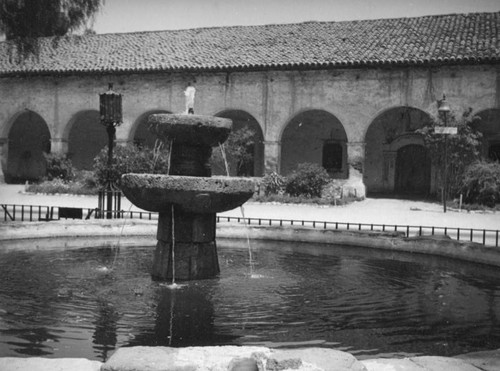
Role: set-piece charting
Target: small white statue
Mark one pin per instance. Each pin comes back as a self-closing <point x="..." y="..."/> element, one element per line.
<point x="189" y="93"/>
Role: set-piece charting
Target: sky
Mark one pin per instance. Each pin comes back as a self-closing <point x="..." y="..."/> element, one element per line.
<point x="152" y="15"/>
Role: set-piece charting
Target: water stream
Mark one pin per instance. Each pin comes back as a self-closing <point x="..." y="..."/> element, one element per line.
<point x="249" y="246"/>
<point x="223" y="154"/>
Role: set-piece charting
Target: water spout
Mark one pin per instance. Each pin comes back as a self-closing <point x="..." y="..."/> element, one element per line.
<point x="189" y="93"/>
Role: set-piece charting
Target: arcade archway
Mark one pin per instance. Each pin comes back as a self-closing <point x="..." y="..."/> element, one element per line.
<point x="29" y="139"/>
<point x="254" y="163"/>
<point x="489" y="125"/>
<point x="87" y="137"/>
<point x="315" y="136"/>
<point x="396" y="161"/>
<point x="142" y="137"/>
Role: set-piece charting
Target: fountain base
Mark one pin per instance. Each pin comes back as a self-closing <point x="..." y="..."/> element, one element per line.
<point x="188" y="250"/>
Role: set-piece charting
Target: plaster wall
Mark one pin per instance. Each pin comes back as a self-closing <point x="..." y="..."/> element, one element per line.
<point x="355" y="97"/>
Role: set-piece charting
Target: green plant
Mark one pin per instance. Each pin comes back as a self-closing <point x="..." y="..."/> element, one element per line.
<point x="452" y="152"/>
<point x="58" y="166"/>
<point x="129" y="159"/>
<point x="481" y="183"/>
<point x="273" y="183"/>
<point x="307" y="180"/>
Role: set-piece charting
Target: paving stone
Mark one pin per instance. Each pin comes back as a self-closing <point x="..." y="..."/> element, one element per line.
<point x="178" y="359"/>
<point x="48" y="364"/>
<point x="418" y="364"/>
<point x="486" y="360"/>
<point x="326" y="359"/>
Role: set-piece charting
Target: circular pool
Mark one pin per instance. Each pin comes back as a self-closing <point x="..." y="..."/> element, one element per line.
<point x="86" y="302"/>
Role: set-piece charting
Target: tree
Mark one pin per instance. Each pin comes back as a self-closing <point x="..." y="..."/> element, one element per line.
<point x="461" y="149"/>
<point x="23" y="21"/>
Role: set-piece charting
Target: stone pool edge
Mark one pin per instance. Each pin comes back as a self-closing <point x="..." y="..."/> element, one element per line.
<point x="251" y="358"/>
<point x="124" y="232"/>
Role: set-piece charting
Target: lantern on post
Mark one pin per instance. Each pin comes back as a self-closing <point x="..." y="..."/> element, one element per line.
<point x="444" y="109"/>
<point x="110" y="109"/>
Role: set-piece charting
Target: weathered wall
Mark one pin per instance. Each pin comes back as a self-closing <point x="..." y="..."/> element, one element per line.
<point x="354" y="97"/>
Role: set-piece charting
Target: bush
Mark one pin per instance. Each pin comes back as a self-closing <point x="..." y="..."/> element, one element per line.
<point x="129" y="159"/>
<point x="58" y="166"/>
<point x="273" y="184"/>
<point x="308" y="180"/>
<point x="481" y="183"/>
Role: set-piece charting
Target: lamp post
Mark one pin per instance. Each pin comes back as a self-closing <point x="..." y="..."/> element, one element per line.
<point x="110" y="109"/>
<point x="444" y="110"/>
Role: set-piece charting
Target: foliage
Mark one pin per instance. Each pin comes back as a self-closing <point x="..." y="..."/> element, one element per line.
<point x="273" y="183"/>
<point x="307" y="180"/>
<point x="481" y="183"/>
<point x="58" y="166"/>
<point x="58" y="185"/>
<point x="238" y="150"/>
<point x="23" y="21"/>
<point x="130" y="159"/>
<point x="453" y="152"/>
<point x="287" y="199"/>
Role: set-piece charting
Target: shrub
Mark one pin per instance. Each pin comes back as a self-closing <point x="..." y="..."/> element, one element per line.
<point x="58" y="166"/>
<point x="273" y="183"/>
<point x="129" y="159"/>
<point x="481" y="183"/>
<point x="308" y="180"/>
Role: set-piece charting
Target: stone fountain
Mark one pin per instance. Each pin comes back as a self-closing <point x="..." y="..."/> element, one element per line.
<point x="188" y="198"/>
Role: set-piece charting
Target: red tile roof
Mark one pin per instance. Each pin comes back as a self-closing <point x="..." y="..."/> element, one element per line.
<point x="443" y="39"/>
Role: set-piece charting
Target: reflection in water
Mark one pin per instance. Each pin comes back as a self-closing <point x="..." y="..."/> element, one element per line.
<point x="61" y="304"/>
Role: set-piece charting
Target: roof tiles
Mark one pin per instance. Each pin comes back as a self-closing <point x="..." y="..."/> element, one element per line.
<point x="454" y="38"/>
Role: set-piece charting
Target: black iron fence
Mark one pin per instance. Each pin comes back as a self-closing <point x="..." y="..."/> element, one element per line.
<point x="32" y="213"/>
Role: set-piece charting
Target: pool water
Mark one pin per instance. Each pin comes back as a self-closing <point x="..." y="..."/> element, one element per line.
<point x="87" y="302"/>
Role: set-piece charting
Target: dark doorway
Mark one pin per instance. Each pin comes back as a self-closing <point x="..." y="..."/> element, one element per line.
<point x="412" y="170"/>
<point x="494" y="152"/>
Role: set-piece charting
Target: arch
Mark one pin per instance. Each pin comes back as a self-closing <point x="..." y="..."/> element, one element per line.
<point x="140" y="134"/>
<point x="391" y="130"/>
<point x="86" y="138"/>
<point x="489" y="125"/>
<point x="315" y="136"/>
<point x="254" y="164"/>
<point x="29" y="138"/>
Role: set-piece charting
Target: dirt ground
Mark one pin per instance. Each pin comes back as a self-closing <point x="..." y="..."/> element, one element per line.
<point x="371" y="210"/>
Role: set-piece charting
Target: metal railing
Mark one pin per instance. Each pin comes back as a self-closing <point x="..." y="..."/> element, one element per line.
<point x="32" y="213"/>
<point x="488" y="237"/>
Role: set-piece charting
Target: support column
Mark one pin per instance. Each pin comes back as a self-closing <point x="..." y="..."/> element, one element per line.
<point x="59" y="145"/>
<point x="354" y="186"/>
<point x="4" y="150"/>
<point x="272" y="151"/>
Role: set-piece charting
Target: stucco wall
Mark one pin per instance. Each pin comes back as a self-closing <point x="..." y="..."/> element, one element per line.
<point x="354" y="97"/>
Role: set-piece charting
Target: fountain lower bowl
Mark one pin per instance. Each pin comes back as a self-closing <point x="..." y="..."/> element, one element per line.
<point x="156" y="193"/>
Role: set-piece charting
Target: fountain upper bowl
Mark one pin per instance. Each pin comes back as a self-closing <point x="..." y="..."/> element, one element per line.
<point x="190" y="129"/>
<point x="156" y="192"/>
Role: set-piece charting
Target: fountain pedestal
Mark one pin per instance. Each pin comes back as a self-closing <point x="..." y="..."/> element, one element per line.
<point x="195" y="249"/>
<point x="188" y="200"/>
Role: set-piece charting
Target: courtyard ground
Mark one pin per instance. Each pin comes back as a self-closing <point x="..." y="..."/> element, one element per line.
<point x="371" y="210"/>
